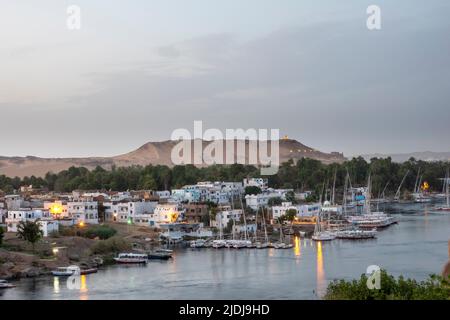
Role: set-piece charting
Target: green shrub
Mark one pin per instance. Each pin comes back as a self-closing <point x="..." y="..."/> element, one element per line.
<point x="67" y="231"/>
<point x="110" y="246"/>
<point x="101" y="231"/>
<point x="434" y="288"/>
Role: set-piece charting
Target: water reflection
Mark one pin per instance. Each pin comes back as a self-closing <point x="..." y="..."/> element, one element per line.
<point x="321" y="283"/>
<point x="297" y="250"/>
<point x="83" y="288"/>
<point x="56" y="285"/>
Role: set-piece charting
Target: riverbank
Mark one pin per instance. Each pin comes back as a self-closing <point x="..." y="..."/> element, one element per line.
<point x="18" y="260"/>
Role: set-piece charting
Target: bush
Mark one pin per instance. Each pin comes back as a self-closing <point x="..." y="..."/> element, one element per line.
<point x="67" y="231"/>
<point x="101" y="231"/>
<point x="111" y="245"/>
<point x="434" y="288"/>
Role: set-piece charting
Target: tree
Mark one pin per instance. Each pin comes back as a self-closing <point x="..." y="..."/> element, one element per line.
<point x="2" y="234"/>
<point x="290" y="215"/>
<point x="252" y="190"/>
<point x="275" y="201"/>
<point x="290" y="197"/>
<point x="29" y="231"/>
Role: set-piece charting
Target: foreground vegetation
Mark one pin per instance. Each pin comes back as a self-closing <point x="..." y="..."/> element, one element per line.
<point x="306" y="174"/>
<point x="391" y="288"/>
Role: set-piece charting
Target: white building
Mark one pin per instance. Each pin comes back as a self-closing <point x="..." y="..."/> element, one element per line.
<point x="58" y="209"/>
<point x="165" y="213"/>
<point x="261" y="183"/>
<point x="83" y="211"/>
<point x="225" y="216"/>
<point x="164" y="194"/>
<point x="303" y="210"/>
<point x="256" y="201"/>
<point x="129" y="211"/>
<point x="13" y="202"/>
<point x="47" y="225"/>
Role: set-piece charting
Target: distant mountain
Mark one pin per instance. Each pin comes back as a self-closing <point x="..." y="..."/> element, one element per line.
<point x="156" y="153"/>
<point x="402" y="157"/>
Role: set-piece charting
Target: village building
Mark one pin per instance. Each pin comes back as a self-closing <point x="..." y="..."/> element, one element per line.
<point x="196" y="213"/>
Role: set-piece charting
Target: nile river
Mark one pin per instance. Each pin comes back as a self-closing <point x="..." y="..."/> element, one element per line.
<point x="415" y="247"/>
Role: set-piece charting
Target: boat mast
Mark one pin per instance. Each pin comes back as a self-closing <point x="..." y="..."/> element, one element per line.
<point x="344" y="200"/>
<point x="447" y="189"/>
<point x="264" y="222"/>
<point x="220" y="226"/>
<point x="368" y="196"/>
<point x="417" y="180"/>
<point x="256" y="225"/>
<point x="334" y="187"/>
<point x="397" y="194"/>
<point x="233" y="216"/>
<point x="245" y="220"/>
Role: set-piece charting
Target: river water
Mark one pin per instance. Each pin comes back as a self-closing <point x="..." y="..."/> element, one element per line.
<point x="415" y="247"/>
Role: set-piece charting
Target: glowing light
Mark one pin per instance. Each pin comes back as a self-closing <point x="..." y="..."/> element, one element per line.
<point x="425" y="186"/>
<point x="173" y="217"/>
<point x="81" y="224"/>
<point x="56" y="209"/>
<point x="129" y="221"/>
<point x="55" y="250"/>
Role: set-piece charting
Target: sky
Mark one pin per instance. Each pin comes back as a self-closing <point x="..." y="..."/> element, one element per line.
<point x="139" y="69"/>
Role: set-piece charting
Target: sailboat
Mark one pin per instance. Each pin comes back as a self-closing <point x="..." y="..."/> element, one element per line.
<point x="417" y="194"/>
<point x="371" y="220"/>
<point x="330" y="206"/>
<point x="263" y="245"/>
<point x="319" y="234"/>
<point x="447" y="194"/>
<point x="219" y="243"/>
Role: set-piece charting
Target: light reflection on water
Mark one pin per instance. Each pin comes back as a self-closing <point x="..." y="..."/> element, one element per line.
<point x="321" y="283"/>
<point x="263" y="274"/>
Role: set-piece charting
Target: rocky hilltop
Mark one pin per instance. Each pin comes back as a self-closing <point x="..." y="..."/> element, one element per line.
<point x="156" y="153"/>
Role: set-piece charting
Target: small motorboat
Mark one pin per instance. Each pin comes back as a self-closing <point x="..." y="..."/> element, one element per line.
<point x="262" y="245"/>
<point x="200" y="243"/>
<point x="6" y="285"/>
<point x="131" y="258"/>
<point x="159" y="255"/>
<point x="218" y="244"/>
<point x="356" y="234"/>
<point x="66" y="271"/>
<point x="164" y="250"/>
<point x="323" y="236"/>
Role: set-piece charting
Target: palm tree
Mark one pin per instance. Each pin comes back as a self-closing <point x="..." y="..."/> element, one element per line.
<point x="29" y="231"/>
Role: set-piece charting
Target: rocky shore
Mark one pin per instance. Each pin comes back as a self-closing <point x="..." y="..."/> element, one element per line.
<point x="18" y="260"/>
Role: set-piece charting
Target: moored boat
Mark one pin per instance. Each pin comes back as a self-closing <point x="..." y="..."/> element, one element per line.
<point x="6" y="285"/>
<point x="200" y="243"/>
<point x="159" y="255"/>
<point x="323" y="236"/>
<point x="217" y="244"/>
<point x="66" y="271"/>
<point x="356" y="234"/>
<point x="131" y="258"/>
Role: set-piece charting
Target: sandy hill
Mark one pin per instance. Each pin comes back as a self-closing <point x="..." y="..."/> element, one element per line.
<point x="156" y="153"/>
